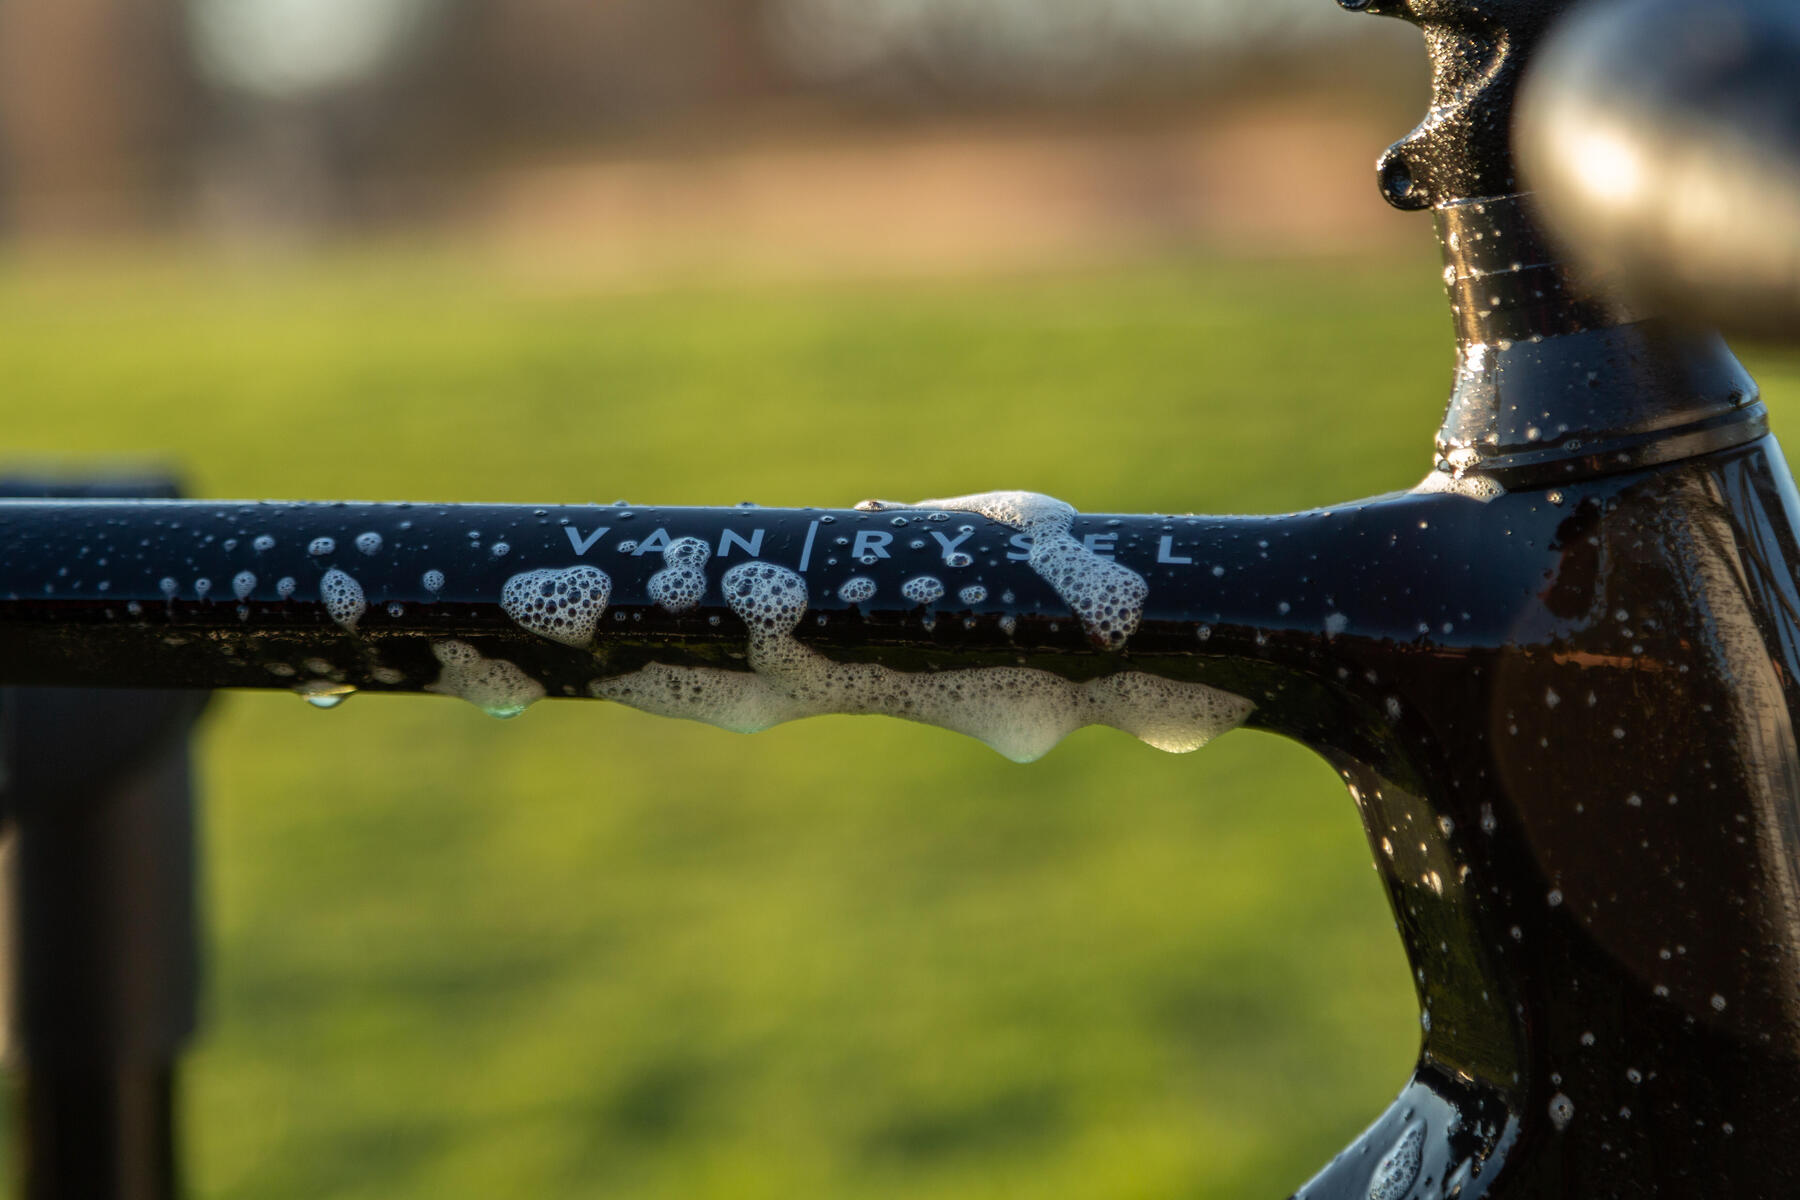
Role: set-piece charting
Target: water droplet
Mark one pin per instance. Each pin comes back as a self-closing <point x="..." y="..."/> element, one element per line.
<point x="1562" y="1111"/>
<point x="323" y="693"/>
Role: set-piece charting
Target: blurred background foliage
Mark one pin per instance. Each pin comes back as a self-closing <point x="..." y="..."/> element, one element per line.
<point x="706" y="251"/>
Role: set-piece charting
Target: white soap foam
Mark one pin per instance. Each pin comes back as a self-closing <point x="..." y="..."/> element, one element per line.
<point x="263" y="543"/>
<point x="286" y="586"/>
<point x="369" y="543"/>
<point x="1398" y="1170"/>
<point x="923" y="589"/>
<point x="856" y="589"/>
<point x="681" y="583"/>
<point x="495" y="686"/>
<point x="973" y="594"/>
<point x="321" y="546"/>
<point x="242" y="584"/>
<point x="1473" y="487"/>
<point x="563" y="606"/>
<point x="1023" y="713"/>
<point x="433" y="581"/>
<point x="1107" y="596"/>
<point x="343" y="597"/>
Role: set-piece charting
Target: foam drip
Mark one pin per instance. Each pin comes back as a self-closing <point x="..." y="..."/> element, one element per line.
<point x="563" y="606"/>
<point x="1021" y="712"/>
<point x="1106" y="596"/>
<point x="681" y="583"/>
<point x="495" y="686"/>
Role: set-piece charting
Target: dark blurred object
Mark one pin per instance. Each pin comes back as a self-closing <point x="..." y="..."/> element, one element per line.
<point x="99" y="970"/>
<point x="1663" y="137"/>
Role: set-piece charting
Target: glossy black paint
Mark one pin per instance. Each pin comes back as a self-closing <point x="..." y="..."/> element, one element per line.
<point x="1565" y="711"/>
<point x="1564" y="714"/>
<point x="1479" y="51"/>
<point x="1557" y="379"/>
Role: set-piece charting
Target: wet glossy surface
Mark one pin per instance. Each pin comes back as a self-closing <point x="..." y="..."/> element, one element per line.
<point x="1565" y="712"/>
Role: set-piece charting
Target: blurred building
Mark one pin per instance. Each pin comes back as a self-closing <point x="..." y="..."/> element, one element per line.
<point x="283" y="117"/>
<point x="96" y="109"/>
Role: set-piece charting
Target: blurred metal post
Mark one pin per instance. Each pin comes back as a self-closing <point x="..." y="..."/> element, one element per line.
<point x="97" y="899"/>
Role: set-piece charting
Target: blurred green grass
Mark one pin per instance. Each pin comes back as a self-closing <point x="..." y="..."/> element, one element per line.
<point x="590" y="953"/>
